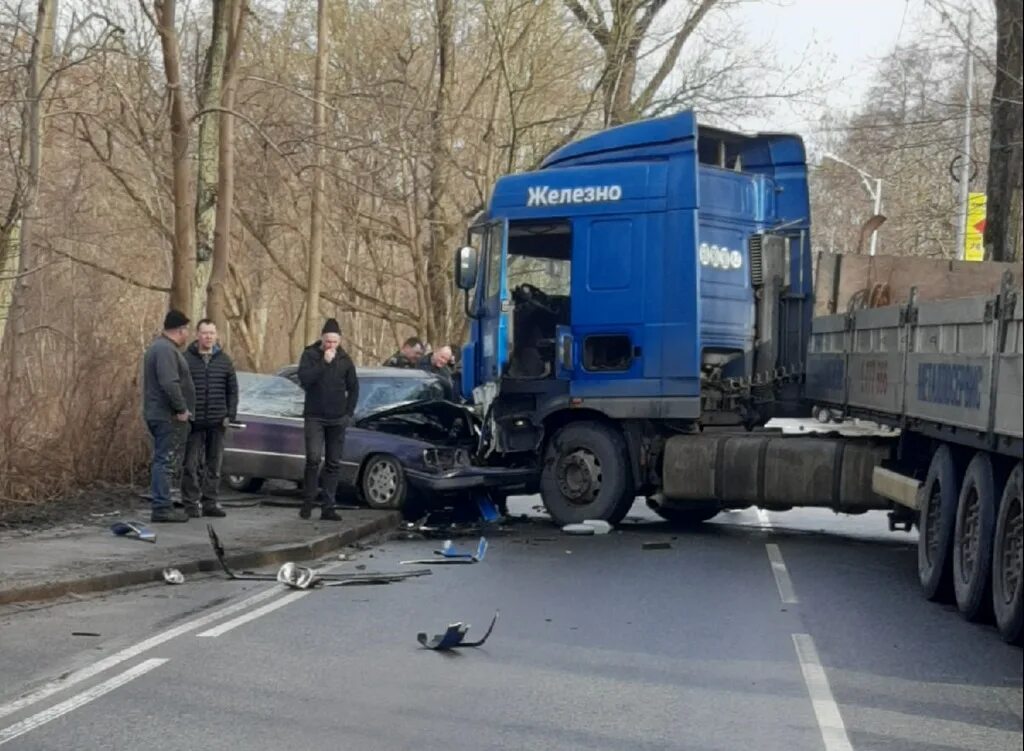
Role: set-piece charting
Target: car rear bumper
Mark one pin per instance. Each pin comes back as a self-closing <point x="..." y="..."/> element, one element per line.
<point x="472" y="478"/>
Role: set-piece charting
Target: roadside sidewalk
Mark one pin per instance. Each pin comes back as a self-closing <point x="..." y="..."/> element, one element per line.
<point x="87" y="558"/>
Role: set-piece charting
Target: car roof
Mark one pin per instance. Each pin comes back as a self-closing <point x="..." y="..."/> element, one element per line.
<point x="377" y="372"/>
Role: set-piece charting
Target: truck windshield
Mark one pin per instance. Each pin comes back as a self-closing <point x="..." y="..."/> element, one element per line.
<point x="549" y="275"/>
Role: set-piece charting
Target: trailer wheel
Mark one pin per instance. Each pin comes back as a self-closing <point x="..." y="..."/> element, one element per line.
<point x="1007" y="555"/>
<point x="972" y="539"/>
<point x="937" y="516"/>
<point x="586" y="475"/>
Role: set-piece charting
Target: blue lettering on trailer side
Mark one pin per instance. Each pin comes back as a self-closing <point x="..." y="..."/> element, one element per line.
<point x="950" y="385"/>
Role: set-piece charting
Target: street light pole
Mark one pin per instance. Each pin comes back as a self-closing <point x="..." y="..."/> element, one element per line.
<point x="874" y="191"/>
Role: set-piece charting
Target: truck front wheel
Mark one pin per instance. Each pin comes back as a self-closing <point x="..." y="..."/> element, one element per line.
<point x="586" y="475"/>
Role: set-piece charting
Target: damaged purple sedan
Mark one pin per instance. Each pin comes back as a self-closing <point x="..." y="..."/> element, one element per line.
<point x="407" y="447"/>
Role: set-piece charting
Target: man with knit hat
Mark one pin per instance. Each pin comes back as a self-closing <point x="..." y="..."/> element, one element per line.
<point x="168" y="401"/>
<point x="328" y="376"/>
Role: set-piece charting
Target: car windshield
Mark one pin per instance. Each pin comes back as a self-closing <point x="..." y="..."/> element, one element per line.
<point x="275" y="396"/>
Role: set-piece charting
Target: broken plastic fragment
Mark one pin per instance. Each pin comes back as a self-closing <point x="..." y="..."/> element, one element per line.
<point x="134" y="529"/>
<point x="454" y="636"/>
<point x="297" y="577"/>
<point x="173" y="576"/>
<point x="601" y="527"/>
<point x="578" y="529"/>
<point x="448" y="554"/>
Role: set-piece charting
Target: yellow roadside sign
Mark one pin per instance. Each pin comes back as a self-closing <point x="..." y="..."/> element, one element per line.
<point x="974" y="248"/>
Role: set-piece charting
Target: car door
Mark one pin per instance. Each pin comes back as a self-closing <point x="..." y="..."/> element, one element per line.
<point x="266" y="440"/>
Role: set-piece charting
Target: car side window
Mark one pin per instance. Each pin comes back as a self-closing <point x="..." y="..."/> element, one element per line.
<point x="270" y="396"/>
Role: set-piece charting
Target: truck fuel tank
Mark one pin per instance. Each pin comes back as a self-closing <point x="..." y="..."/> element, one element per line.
<point x="773" y="471"/>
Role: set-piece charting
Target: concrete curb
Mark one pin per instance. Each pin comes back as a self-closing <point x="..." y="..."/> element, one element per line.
<point x="302" y="551"/>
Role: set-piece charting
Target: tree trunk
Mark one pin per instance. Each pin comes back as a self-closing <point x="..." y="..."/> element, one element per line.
<point x="1003" y="222"/>
<point x="183" y="256"/>
<point x="439" y="281"/>
<point x="16" y="238"/>
<point x="316" y="218"/>
<point x="208" y="146"/>
<point x="216" y="291"/>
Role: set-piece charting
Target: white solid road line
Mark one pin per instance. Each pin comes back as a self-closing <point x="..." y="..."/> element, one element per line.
<point x="826" y="711"/>
<point x="252" y="615"/>
<point x="76" y="701"/>
<point x="782" y="580"/>
<point x="83" y="674"/>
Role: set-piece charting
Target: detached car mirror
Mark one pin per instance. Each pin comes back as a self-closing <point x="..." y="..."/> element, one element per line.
<point x="467" y="268"/>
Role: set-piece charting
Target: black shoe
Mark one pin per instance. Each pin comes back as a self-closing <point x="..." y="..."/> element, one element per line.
<point x="306" y="511"/>
<point x="193" y="510"/>
<point x="329" y="515"/>
<point x="213" y="509"/>
<point x="168" y="515"/>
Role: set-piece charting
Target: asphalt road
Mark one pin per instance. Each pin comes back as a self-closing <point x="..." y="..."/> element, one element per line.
<point x="797" y="631"/>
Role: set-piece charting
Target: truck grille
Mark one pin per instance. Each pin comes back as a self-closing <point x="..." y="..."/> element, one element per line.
<point x="756" y="266"/>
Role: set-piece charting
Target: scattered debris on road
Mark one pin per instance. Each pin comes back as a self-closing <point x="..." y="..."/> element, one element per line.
<point x="84" y="633"/>
<point x="295" y="577"/>
<point x="173" y="576"/>
<point x="448" y="554"/>
<point x="601" y="527"/>
<point x="134" y="529"/>
<point x="454" y="636"/>
<point x="657" y="545"/>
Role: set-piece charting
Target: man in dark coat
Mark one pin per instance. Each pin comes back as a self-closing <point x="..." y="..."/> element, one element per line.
<point x="216" y="386"/>
<point x="168" y="401"/>
<point x="408" y="356"/>
<point x="328" y="376"/>
<point x="439" y="362"/>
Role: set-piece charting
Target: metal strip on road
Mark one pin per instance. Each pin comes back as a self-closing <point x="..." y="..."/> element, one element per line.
<point x="826" y="711"/>
<point x="84" y="674"/>
<point x="252" y="615"/>
<point x="78" y="700"/>
<point x="782" y="580"/>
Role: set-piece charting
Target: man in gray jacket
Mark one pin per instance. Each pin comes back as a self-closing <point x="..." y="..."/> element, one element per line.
<point x="169" y="399"/>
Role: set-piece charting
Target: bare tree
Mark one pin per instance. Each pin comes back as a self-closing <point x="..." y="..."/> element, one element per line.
<point x="16" y="236"/>
<point x="316" y="219"/>
<point x="217" y="294"/>
<point x="207" y="148"/>
<point x="183" y="263"/>
<point x="1003" y="229"/>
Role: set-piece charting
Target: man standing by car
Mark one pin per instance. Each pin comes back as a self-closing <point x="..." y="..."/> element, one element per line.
<point x="216" y="387"/>
<point x="168" y="401"/>
<point x="328" y="376"/>
<point x="438" y="363"/>
<point x="408" y="356"/>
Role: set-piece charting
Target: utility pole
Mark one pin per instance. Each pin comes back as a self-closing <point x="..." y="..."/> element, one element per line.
<point x="965" y="162"/>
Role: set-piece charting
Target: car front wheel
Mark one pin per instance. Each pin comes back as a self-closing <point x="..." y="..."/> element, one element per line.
<point x="383" y="483"/>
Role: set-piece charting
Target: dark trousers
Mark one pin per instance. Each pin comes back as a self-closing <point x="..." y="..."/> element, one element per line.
<point x="168" y="446"/>
<point x="325" y="442"/>
<point x="204" y="453"/>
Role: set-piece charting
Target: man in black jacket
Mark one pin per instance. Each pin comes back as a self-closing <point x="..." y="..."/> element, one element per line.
<point x="408" y="356"/>
<point x="216" y="387"/>
<point x="328" y="376"/>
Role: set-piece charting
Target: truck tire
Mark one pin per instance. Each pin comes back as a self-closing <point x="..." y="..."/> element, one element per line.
<point x="973" y="535"/>
<point x="586" y="475"/>
<point x="937" y="516"/>
<point x="1007" y="554"/>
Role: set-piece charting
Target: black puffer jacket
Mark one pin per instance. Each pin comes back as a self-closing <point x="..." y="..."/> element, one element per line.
<point x="215" y="383"/>
<point x="332" y="389"/>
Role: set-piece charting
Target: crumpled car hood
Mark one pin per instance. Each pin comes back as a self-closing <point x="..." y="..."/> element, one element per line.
<point x="437" y="408"/>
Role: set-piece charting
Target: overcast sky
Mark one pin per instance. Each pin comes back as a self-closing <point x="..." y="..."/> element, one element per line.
<point x="848" y="38"/>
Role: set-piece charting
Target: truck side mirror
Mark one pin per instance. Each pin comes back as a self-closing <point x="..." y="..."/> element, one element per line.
<point x="467" y="268"/>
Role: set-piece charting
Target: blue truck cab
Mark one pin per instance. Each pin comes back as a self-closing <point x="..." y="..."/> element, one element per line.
<point x="648" y="279"/>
